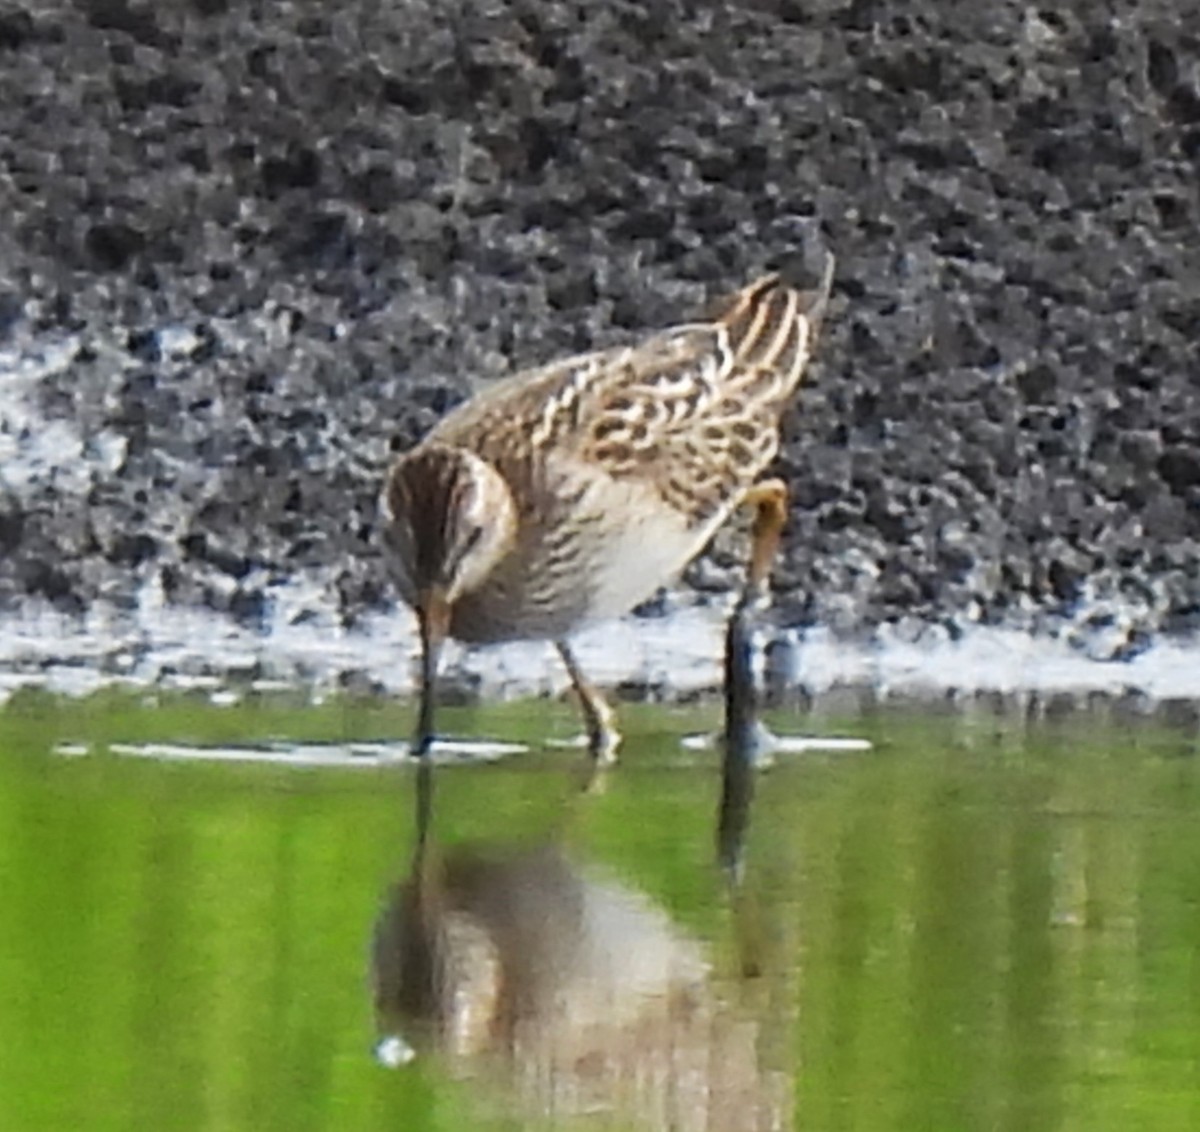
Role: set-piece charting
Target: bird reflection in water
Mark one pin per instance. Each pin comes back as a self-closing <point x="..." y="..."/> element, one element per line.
<point x="570" y="993"/>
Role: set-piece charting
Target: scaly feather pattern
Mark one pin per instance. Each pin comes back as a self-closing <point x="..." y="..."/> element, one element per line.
<point x="691" y="412"/>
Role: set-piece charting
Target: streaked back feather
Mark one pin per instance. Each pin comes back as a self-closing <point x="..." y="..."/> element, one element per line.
<point x="692" y="411"/>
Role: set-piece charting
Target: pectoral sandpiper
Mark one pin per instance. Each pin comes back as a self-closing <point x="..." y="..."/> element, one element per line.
<point x="569" y="493"/>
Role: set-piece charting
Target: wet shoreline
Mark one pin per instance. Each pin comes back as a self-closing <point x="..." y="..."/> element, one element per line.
<point x="673" y="659"/>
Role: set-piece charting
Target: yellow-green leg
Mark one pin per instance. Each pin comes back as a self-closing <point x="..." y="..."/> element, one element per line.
<point x="599" y="719"/>
<point x="770" y="501"/>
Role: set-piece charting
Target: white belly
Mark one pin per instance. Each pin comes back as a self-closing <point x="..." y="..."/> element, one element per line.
<point x="640" y="556"/>
<point x="629" y="544"/>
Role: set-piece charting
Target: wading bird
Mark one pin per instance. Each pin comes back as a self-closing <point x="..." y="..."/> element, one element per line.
<point x="569" y="493"/>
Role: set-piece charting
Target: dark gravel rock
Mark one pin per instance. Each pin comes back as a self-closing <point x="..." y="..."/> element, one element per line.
<point x="249" y="252"/>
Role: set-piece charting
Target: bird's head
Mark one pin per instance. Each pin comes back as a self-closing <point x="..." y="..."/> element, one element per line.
<point x="449" y="519"/>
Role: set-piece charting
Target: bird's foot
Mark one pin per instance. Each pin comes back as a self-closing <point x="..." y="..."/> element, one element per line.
<point x="602" y="744"/>
<point x="603" y="739"/>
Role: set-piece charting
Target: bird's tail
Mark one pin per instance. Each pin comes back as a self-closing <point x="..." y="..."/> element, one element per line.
<point x="772" y="326"/>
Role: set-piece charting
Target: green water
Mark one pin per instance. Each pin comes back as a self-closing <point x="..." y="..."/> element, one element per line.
<point x="978" y="925"/>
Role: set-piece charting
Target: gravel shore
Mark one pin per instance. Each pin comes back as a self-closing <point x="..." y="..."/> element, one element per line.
<point x="250" y="251"/>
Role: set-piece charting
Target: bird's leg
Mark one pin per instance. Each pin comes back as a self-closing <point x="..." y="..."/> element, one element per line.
<point x="769" y="499"/>
<point x="599" y="719"/>
<point x="747" y="742"/>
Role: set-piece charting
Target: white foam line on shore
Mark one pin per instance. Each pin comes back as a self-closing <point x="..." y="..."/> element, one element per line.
<point x="168" y="647"/>
<point x="988" y="659"/>
<point x="160" y="646"/>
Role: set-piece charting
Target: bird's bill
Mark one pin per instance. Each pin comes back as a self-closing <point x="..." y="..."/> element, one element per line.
<point x="433" y="613"/>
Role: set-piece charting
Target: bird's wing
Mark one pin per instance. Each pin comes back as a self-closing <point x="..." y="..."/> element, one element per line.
<point x="695" y="410"/>
<point x="692" y="411"/>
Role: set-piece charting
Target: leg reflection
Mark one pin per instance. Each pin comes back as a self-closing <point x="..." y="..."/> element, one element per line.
<point x="742" y="741"/>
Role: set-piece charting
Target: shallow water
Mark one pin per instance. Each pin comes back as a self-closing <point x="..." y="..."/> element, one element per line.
<point x="980" y="924"/>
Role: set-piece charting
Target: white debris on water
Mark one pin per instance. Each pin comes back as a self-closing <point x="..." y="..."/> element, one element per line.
<point x="362" y="755"/>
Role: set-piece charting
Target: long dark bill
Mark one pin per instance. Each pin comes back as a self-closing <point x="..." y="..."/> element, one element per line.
<point x="434" y="616"/>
